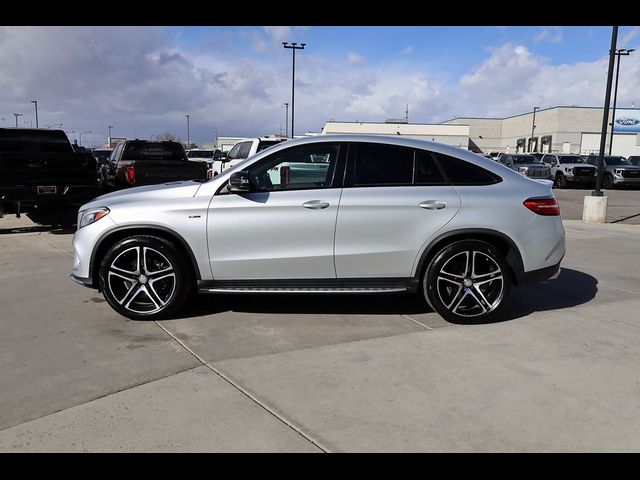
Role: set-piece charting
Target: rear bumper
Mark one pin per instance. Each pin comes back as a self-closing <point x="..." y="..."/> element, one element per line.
<point x="87" y="282"/>
<point x="66" y="194"/>
<point x="539" y="275"/>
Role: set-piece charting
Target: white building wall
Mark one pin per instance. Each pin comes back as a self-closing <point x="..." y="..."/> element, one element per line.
<point x="624" y="144"/>
<point x="456" y="135"/>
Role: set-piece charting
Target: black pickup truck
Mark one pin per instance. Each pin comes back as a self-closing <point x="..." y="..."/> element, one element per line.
<point x="145" y="162"/>
<point x="40" y="169"/>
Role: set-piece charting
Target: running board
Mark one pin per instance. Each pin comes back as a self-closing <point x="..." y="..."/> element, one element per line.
<point x="326" y="286"/>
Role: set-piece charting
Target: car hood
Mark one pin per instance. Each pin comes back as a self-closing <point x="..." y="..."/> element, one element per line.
<point x="571" y="165"/>
<point x="530" y="165"/>
<point x="632" y="168"/>
<point x="163" y="191"/>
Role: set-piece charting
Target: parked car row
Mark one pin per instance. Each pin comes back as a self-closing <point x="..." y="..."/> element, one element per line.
<point x="568" y="169"/>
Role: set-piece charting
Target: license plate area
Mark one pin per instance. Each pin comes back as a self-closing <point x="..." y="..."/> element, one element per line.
<point x="47" y="189"/>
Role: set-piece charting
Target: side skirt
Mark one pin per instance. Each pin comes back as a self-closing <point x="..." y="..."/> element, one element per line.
<point x="319" y="285"/>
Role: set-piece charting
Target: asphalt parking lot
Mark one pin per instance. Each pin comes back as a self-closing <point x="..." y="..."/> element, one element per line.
<point x="314" y="374"/>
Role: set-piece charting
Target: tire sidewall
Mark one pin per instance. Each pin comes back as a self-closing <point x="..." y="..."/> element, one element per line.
<point x="429" y="283"/>
<point x="167" y="249"/>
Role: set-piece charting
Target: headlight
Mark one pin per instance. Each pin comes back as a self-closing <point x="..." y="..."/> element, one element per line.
<point x="569" y="170"/>
<point x="618" y="172"/>
<point x="523" y="169"/>
<point x="87" y="217"/>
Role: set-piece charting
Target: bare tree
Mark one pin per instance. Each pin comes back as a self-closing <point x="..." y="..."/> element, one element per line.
<point x="167" y="137"/>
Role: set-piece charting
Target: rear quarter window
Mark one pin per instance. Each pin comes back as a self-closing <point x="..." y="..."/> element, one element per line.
<point x="461" y="172"/>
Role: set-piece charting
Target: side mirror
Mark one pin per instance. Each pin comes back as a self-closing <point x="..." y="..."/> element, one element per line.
<point x="239" y="182"/>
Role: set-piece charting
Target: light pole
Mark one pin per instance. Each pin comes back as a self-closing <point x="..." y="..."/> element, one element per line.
<point x="35" y="102"/>
<point x="605" y="116"/>
<point x="17" y="115"/>
<point x="619" y="53"/>
<point x="294" y="46"/>
<point x="109" y="135"/>
<point x="286" y="120"/>
<point x="533" y="127"/>
<point x="88" y="131"/>
<point x="188" y="135"/>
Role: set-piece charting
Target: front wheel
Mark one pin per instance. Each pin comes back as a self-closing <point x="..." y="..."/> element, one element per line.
<point x="607" y="182"/>
<point x="143" y="278"/>
<point x="561" y="182"/>
<point x="467" y="281"/>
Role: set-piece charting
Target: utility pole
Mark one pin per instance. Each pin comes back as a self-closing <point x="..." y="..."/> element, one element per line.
<point x="533" y="127"/>
<point x="619" y="53"/>
<point x="17" y="115"/>
<point x="109" y="136"/>
<point x="35" y="102"/>
<point x="605" y="116"/>
<point x="286" y="120"/>
<point x="188" y="137"/>
<point x="294" y="46"/>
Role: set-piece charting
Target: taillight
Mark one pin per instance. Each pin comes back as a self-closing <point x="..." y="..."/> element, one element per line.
<point x="543" y="206"/>
<point x="130" y="173"/>
<point x="284" y="175"/>
<point x="209" y="173"/>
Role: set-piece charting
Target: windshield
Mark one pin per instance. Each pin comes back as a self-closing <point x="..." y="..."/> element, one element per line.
<point x="615" y="161"/>
<point x="200" y="154"/>
<point x="153" y="151"/>
<point x="571" y="159"/>
<point x="521" y="159"/>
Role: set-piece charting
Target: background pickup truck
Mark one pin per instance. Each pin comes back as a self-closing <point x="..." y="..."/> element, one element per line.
<point x="143" y="162"/>
<point x="39" y="170"/>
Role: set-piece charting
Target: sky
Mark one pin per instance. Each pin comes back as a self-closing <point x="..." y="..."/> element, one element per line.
<point x="234" y="81"/>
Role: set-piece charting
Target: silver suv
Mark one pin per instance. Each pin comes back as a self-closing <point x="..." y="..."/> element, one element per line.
<point x="327" y="214"/>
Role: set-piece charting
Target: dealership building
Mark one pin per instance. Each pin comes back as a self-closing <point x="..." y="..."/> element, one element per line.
<point x="570" y="129"/>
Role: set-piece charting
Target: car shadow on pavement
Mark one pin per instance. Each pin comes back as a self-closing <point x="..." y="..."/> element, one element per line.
<point x="570" y="289"/>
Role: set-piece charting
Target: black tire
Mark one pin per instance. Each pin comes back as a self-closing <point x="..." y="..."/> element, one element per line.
<point x="144" y="278"/>
<point x="607" y="182"/>
<point x="560" y="182"/>
<point x="458" y="300"/>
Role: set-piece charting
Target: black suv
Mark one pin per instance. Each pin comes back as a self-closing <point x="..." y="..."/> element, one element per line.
<point x="617" y="171"/>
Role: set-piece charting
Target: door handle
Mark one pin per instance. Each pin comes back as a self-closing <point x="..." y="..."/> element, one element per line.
<point x="315" y="204"/>
<point x="432" y="204"/>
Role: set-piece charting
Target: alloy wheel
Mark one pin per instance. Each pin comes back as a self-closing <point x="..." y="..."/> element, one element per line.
<point x="142" y="280"/>
<point x="470" y="283"/>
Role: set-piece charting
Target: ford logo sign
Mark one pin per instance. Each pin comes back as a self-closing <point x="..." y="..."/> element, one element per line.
<point x="627" y="121"/>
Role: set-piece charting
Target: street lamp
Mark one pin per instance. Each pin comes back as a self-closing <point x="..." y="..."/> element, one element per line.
<point x="607" y="98"/>
<point x="109" y="135"/>
<point x="294" y="46"/>
<point x="35" y="102"/>
<point x="88" y="131"/>
<point x="286" y="120"/>
<point x="188" y="135"/>
<point x="533" y="126"/>
<point x="17" y="115"/>
<point x="618" y="53"/>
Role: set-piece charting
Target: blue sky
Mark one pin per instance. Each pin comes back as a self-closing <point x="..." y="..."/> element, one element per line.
<point x="235" y="80"/>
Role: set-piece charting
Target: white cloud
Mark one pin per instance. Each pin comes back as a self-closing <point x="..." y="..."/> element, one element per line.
<point x="355" y="58"/>
<point x="406" y="51"/>
<point x="549" y="34"/>
<point x="89" y="78"/>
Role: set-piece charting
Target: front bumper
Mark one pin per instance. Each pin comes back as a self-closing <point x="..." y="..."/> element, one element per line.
<point x="87" y="282"/>
<point x="625" y="181"/>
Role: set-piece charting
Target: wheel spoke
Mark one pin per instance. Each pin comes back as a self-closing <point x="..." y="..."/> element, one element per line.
<point x="449" y="277"/>
<point x="482" y="300"/>
<point x="153" y="295"/>
<point x="472" y="293"/>
<point x="483" y="275"/>
<point x="468" y="266"/>
<point x="462" y="297"/>
<point x="489" y="280"/>
<point x="160" y="274"/>
<point x="131" y="294"/>
<point x="131" y="277"/>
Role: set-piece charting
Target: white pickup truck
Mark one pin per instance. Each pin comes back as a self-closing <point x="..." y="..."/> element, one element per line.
<point x="247" y="148"/>
<point x="569" y="168"/>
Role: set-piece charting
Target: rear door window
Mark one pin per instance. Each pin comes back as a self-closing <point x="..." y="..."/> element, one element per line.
<point x="378" y="164"/>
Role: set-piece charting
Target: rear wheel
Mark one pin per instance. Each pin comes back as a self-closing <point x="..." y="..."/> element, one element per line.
<point x="143" y="277"/>
<point x="467" y="281"/>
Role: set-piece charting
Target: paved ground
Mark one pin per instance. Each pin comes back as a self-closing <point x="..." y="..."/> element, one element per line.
<point x="282" y="373"/>
<point x="623" y="204"/>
